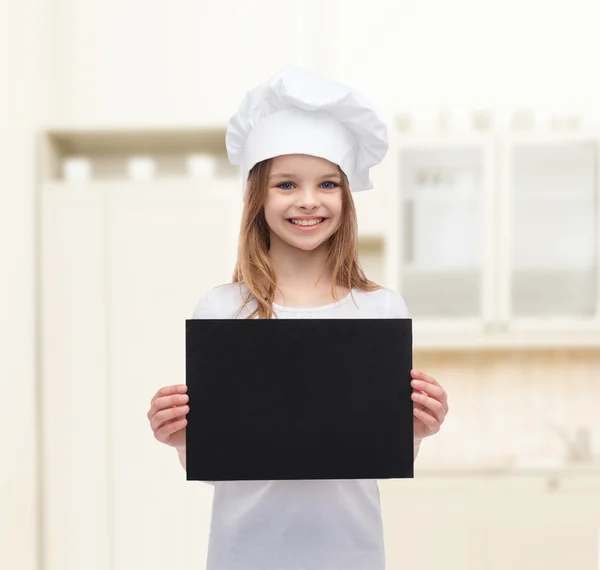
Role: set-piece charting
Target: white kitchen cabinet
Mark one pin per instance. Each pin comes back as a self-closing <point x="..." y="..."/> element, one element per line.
<point x="167" y="245"/>
<point x="445" y="261"/>
<point x="123" y="267"/>
<point x="550" y="228"/>
<point x="123" y="264"/>
<point x="548" y="521"/>
<point x="498" y="521"/>
<point x="433" y="522"/>
<point x="440" y="240"/>
<point x="76" y="506"/>
<point x="494" y="240"/>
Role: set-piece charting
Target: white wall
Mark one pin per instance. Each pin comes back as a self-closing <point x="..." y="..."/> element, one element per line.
<point x="190" y="61"/>
<point x="25" y="101"/>
<point x="126" y="61"/>
<point x="421" y="54"/>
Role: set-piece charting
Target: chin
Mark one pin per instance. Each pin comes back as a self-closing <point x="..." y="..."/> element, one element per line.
<point x="307" y="247"/>
<point x="305" y="243"/>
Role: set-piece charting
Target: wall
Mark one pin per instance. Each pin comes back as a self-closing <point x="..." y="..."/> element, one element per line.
<point x="25" y="101"/>
<point x="191" y="61"/>
<point x="505" y="405"/>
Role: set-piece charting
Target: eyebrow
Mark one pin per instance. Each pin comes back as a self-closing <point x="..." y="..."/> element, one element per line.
<point x="291" y="175"/>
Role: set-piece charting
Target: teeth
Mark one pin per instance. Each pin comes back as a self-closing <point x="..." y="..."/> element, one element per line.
<point x="307" y="222"/>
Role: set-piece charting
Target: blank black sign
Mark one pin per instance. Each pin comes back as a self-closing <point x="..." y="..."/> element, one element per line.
<point x="274" y="399"/>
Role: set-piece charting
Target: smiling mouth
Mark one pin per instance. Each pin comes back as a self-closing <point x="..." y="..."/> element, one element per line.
<point x="306" y="223"/>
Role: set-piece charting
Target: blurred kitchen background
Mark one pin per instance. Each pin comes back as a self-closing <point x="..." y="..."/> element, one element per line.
<point x="119" y="209"/>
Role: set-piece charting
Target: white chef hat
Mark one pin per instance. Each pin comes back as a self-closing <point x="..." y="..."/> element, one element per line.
<point x="299" y="112"/>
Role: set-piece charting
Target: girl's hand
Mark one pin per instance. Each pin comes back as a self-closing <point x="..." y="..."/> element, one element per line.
<point x="430" y="404"/>
<point x="167" y="415"/>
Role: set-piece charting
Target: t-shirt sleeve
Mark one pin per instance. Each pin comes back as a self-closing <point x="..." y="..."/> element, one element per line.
<point x="206" y="307"/>
<point x="396" y="306"/>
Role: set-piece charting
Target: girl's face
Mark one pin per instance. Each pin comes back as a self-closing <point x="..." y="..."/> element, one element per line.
<point x="303" y="207"/>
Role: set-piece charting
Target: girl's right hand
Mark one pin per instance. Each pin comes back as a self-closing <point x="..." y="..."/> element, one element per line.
<point x="167" y="415"/>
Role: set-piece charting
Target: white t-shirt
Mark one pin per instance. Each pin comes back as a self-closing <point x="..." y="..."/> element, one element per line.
<point x="303" y="524"/>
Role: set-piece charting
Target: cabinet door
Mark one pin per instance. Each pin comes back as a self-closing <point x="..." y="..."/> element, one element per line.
<point x="550" y="230"/>
<point x="544" y="522"/>
<point x="75" y="493"/>
<point x="168" y="244"/>
<point x="446" y="256"/>
<point x="434" y="522"/>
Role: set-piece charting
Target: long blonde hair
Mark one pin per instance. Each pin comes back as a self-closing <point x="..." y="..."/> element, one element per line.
<point x="254" y="267"/>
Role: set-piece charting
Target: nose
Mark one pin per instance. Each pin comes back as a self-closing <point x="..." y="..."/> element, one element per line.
<point x="308" y="198"/>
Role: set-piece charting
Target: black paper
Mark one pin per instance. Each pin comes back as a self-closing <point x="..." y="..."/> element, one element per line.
<point x="274" y="399"/>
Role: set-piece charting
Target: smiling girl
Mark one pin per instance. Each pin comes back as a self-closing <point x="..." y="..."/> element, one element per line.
<point x="305" y="144"/>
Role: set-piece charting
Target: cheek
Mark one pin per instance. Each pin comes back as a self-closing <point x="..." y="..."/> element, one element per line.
<point x="269" y="218"/>
<point x="269" y="208"/>
<point x="273" y="212"/>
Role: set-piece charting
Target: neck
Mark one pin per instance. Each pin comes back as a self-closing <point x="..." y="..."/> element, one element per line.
<point x="302" y="276"/>
<point x="300" y="268"/>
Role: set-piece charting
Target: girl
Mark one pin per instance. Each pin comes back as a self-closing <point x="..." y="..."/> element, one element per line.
<point x="304" y="144"/>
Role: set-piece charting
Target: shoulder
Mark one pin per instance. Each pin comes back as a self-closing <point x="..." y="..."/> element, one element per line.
<point x="221" y="302"/>
<point x="385" y="301"/>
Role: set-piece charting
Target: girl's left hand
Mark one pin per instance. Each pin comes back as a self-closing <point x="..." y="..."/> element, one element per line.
<point x="430" y="404"/>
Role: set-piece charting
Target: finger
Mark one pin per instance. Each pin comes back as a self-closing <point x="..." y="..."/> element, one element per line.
<point x="419" y="375"/>
<point x="164" y="392"/>
<point x="431" y="405"/>
<point x="436" y="392"/>
<point x="428" y="420"/>
<point x="431" y="389"/>
<point x="169" y="390"/>
<point x="161" y="405"/>
<point x="167" y="415"/>
<point x="164" y="433"/>
<point x="165" y="402"/>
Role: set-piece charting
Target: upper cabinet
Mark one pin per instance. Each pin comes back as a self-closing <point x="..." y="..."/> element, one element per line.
<point x="443" y="235"/>
<point x="494" y="240"/>
<point x="550" y="229"/>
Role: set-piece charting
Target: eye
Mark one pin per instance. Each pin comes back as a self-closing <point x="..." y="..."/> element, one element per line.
<point x="283" y="184"/>
<point x="333" y="185"/>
